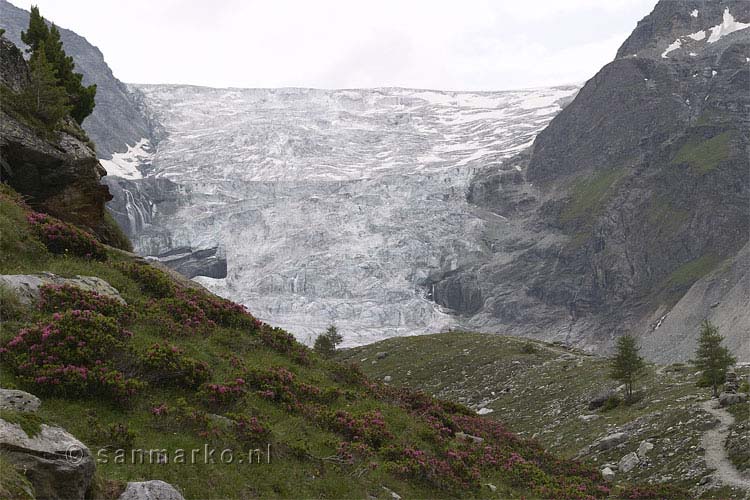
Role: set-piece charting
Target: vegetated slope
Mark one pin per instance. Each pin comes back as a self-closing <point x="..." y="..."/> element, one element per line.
<point x="178" y="368"/>
<point x="644" y="177"/>
<point x="544" y="390"/>
<point x="117" y="120"/>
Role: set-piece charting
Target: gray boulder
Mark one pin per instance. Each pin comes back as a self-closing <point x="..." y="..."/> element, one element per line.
<point x="731" y="398"/>
<point x="611" y="441"/>
<point x="628" y="462"/>
<point x="644" y="448"/>
<point x="150" y="490"/>
<point x="11" y="399"/>
<point x="608" y="474"/>
<point x="26" y="286"/>
<point x="56" y="464"/>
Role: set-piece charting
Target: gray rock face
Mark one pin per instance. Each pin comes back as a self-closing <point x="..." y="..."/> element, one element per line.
<point x="26" y="286"/>
<point x="117" y="119"/>
<point x="57" y="464"/>
<point x="11" y="399"/>
<point x="640" y="190"/>
<point x="150" y="490"/>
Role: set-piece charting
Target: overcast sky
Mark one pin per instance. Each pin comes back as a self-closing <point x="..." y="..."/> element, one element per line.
<point x="461" y="44"/>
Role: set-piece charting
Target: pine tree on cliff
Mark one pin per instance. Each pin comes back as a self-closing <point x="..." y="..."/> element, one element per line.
<point x="81" y="98"/>
<point x="712" y="358"/>
<point x="37" y="32"/>
<point x="627" y="365"/>
<point x="43" y="98"/>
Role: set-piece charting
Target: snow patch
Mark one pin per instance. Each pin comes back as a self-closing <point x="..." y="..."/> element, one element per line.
<point x="694" y="13"/>
<point x="698" y="35"/>
<point x="126" y="164"/>
<point x="674" y="46"/>
<point x="727" y="26"/>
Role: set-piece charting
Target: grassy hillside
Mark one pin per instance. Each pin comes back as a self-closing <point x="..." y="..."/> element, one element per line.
<point x="178" y="368"/>
<point x="543" y="391"/>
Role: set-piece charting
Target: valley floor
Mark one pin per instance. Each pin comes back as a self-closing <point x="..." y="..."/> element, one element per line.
<point x="543" y="391"/>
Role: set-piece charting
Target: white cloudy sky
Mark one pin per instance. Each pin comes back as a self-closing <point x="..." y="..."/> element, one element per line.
<point x="457" y="44"/>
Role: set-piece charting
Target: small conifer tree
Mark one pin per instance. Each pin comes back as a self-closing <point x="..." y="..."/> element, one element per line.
<point x="41" y="37"/>
<point x="712" y="358"/>
<point x="43" y="98"/>
<point x="327" y="342"/>
<point x="627" y="365"/>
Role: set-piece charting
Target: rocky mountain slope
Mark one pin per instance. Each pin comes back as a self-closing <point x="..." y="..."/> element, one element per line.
<point x="564" y="398"/>
<point x="644" y="180"/>
<point x="117" y="120"/>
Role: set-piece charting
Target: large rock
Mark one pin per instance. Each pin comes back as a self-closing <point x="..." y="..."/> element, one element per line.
<point x="11" y="399"/>
<point x="731" y="398"/>
<point x="644" y="449"/>
<point x="611" y="441"/>
<point x="150" y="490"/>
<point x="26" y="286"/>
<point x="57" y="464"/>
<point x="628" y="462"/>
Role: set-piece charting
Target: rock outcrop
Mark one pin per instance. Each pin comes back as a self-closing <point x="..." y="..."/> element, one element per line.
<point x="58" y="173"/>
<point x="637" y="191"/>
<point x="57" y="465"/>
<point x="26" y="286"/>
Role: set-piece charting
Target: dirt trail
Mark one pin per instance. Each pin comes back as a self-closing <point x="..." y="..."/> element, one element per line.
<point x="716" y="455"/>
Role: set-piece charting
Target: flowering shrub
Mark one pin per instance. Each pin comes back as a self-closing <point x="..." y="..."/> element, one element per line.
<point x="151" y="280"/>
<point x="280" y="385"/>
<point x="187" y="316"/>
<point x="62" y="238"/>
<point x="168" y="365"/>
<point x="72" y="354"/>
<point x="248" y="429"/>
<point x="369" y="428"/>
<point x="55" y="298"/>
<point x="349" y="374"/>
<point x="217" y="395"/>
<point x="654" y="491"/>
<point x="221" y="311"/>
<point x="454" y="472"/>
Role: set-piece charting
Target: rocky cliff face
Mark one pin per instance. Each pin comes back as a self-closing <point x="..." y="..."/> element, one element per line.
<point x="117" y="120"/>
<point x="58" y="173"/>
<point x="645" y="177"/>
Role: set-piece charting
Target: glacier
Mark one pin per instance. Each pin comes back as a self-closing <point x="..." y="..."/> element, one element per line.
<point x="327" y="206"/>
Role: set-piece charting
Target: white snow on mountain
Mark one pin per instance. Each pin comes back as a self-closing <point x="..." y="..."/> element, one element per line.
<point x="728" y="25"/>
<point x="126" y="164"/>
<point x="333" y="206"/>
